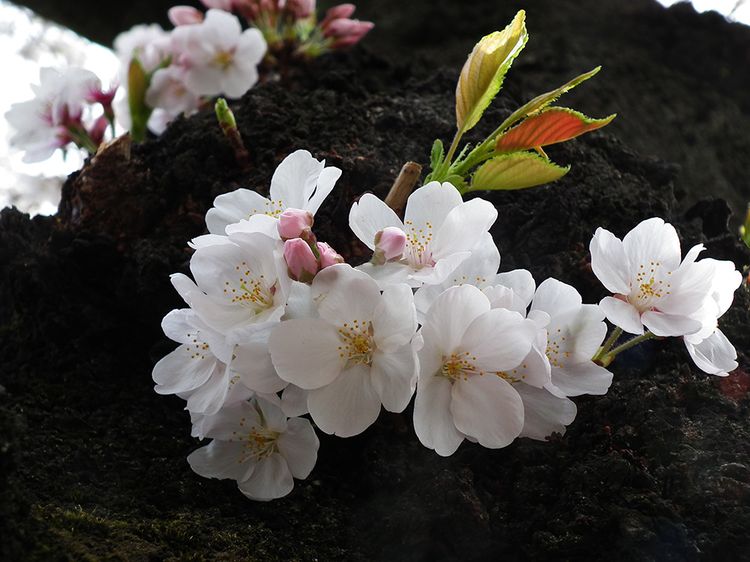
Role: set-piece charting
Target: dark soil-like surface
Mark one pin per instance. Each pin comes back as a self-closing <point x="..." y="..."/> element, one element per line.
<point x="92" y="461"/>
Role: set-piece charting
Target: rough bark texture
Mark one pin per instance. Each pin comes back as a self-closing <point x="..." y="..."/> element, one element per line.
<point x="92" y="461"/>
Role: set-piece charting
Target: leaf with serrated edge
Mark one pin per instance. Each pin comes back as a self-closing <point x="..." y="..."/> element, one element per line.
<point x="543" y="100"/>
<point x="518" y="170"/>
<point x="483" y="73"/>
<point x="550" y="126"/>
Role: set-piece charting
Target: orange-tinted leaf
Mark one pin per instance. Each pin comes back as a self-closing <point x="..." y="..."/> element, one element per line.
<point x="550" y="126"/>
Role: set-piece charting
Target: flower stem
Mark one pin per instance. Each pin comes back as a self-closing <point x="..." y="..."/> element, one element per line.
<point x="611" y="340"/>
<point x="606" y="358"/>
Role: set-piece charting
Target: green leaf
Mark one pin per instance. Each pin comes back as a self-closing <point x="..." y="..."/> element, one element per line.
<point x="543" y="100"/>
<point x="483" y="73"/>
<point x="549" y="126"/>
<point x="437" y="154"/>
<point x="138" y="83"/>
<point x="518" y="170"/>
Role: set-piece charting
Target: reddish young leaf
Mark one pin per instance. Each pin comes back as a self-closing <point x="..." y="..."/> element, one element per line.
<point x="550" y="126"/>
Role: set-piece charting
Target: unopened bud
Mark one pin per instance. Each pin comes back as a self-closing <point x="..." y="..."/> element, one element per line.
<point x="300" y="260"/>
<point x="390" y="243"/>
<point x="342" y="11"/>
<point x="328" y="256"/>
<point x="300" y="9"/>
<point x="294" y="223"/>
<point x="184" y="15"/>
<point x="225" y="5"/>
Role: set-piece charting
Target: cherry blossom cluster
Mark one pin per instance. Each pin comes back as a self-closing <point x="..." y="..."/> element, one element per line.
<point x="70" y="108"/>
<point x="278" y="329"/>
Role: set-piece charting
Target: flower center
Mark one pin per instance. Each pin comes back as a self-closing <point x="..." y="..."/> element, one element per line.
<point x="251" y="292"/>
<point x="459" y="366"/>
<point x="196" y="348"/>
<point x="554" y="354"/>
<point x="273" y="209"/>
<point x="649" y="286"/>
<point x="224" y="59"/>
<point x="357" y="344"/>
<point x="417" y="252"/>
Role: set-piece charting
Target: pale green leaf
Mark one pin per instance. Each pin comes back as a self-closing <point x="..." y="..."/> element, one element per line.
<point x="483" y="73"/>
<point x="518" y="170"/>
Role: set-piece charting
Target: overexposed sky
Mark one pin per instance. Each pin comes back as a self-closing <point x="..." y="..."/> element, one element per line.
<point x="28" y="43"/>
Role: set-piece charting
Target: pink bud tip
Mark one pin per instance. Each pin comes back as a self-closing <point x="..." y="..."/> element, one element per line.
<point x="225" y="5"/>
<point x="294" y="222"/>
<point x="342" y="11"/>
<point x="390" y="242"/>
<point x="184" y="15"/>
<point x="328" y="256"/>
<point x="302" y="263"/>
<point x="300" y="9"/>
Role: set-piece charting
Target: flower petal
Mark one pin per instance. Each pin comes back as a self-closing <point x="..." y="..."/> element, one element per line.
<point x="581" y="378"/>
<point x="609" y="262"/>
<point x="299" y="446"/>
<point x="220" y="459"/>
<point x="394" y="321"/>
<point x="499" y="340"/>
<point x="394" y="377"/>
<point x="326" y="181"/>
<point x="555" y="298"/>
<point x="653" y="240"/>
<point x="622" y="314"/>
<point x="183" y="370"/>
<point x="544" y="413"/>
<point x="305" y="352"/>
<point x="294" y="180"/>
<point x="664" y="325"/>
<point x="431" y="203"/>
<point x="234" y="206"/>
<point x="348" y="405"/>
<point x="370" y="215"/>
<point x="271" y="479"/>
<point x="488" y="409"/>
<point x="715" y="355"/>
<point x="433" y="420"/>
<point x="451" y="315"/>
<point x="463" y="226"/>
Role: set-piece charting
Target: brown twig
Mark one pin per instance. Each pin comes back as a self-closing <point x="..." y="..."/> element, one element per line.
<point x="403" y="186"/>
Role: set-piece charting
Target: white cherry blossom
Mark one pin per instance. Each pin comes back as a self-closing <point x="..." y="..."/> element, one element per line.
<point x="465" y="388"/>
<point x="355" y="356"/>
<point x="218" y="56"/>
<point x="208" y="372"/>
<point x="512" y="290"/>
<point x="299" y="182"/>
<point x="441" y="231"/>
<point x="150" y="44"/>
<point x="652" y="287"/>
<point x="42" y="123"/>
<point x="255" y="444"/>
<point x="574" y="334"/>
<point x="240" y="287"/>
<point x="709" y="348"/>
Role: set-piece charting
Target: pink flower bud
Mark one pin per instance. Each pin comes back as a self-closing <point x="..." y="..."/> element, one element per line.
<point x="293" y="223"/>
<point x="390" y="243"/>
<point x="302" y="263"/>
<point x="358" y="31"/>
<point x="98" y="129"/>
<point x="342" y="11"/>
<point x="185" y="15"/>
<point x="328" y="256"/>
<point x="300" y="9"/>
<point x="225" y="5"/>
